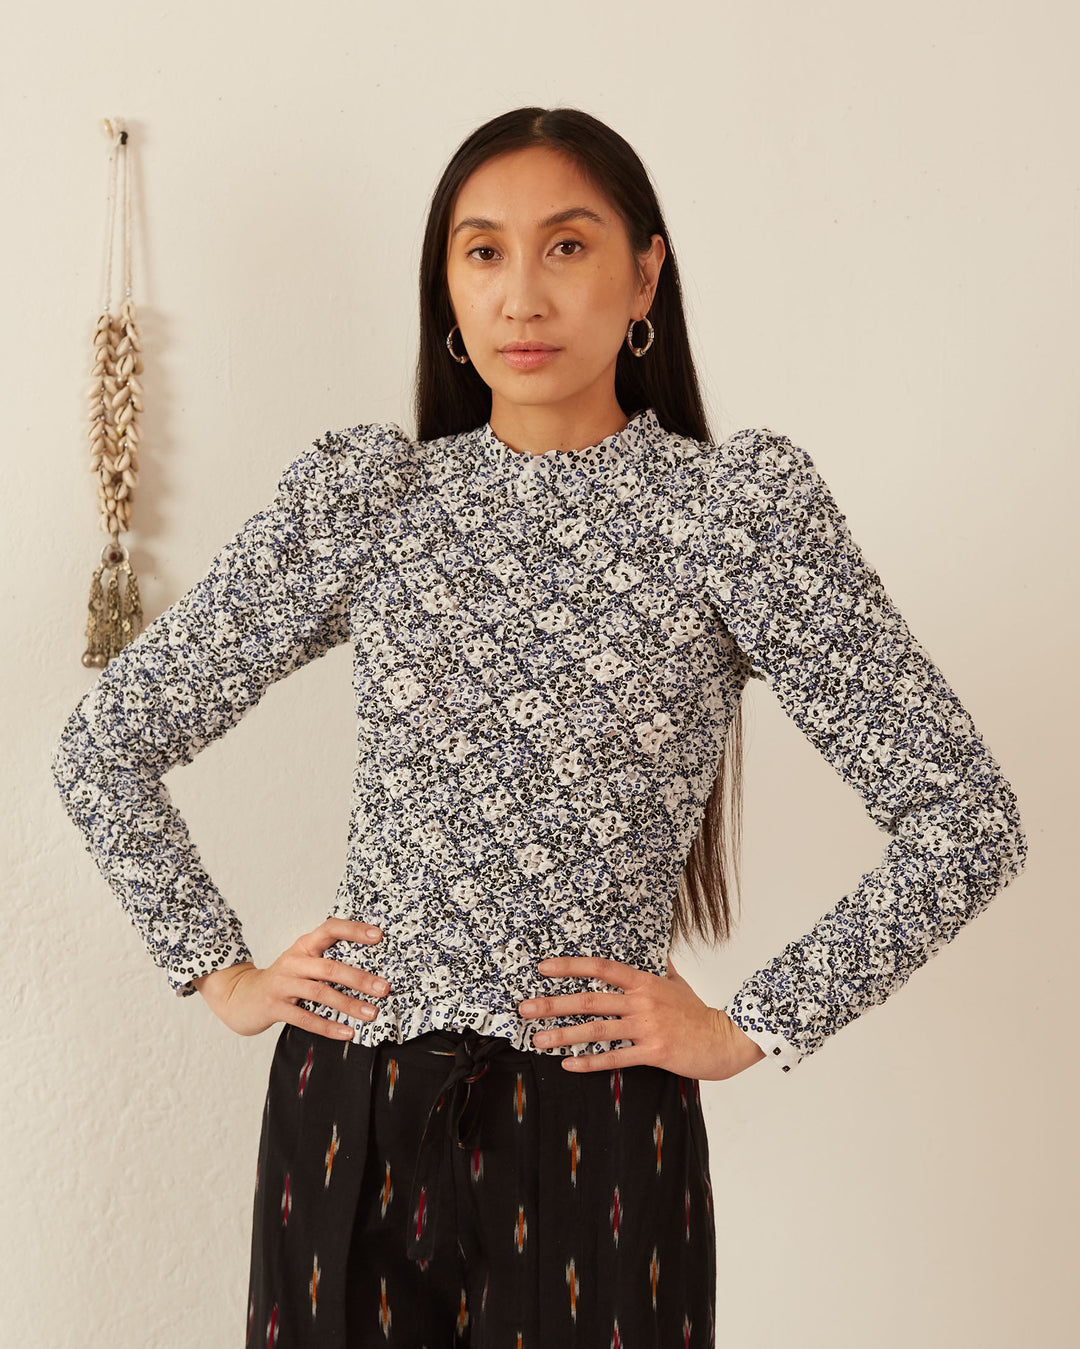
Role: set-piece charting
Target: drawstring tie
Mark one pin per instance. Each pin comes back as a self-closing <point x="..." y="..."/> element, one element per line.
<point x="447" y="1110"/>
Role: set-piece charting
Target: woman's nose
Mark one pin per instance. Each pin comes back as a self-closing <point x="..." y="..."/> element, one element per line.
<point x="524" y="296"/>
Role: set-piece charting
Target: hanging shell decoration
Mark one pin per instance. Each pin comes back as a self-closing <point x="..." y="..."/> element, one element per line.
<point x="115" y="401"/>
<point x="115" y="398"/>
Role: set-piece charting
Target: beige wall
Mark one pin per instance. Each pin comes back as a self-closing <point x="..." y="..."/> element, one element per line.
<point x="875" y="212"/>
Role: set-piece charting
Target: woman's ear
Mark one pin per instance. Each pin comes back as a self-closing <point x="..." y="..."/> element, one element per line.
<point x="649" y="264"/>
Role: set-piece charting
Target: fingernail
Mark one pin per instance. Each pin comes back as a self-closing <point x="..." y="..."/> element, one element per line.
<point x="372" y="933"/>
<point x="380" y="985"/>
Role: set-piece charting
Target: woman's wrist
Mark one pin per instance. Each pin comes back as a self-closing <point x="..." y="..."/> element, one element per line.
<point x="211" y="983"/>
<point x="742" y="1050"/>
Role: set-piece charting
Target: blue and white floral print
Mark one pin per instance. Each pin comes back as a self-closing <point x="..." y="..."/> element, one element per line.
<point x="548" y="650"/>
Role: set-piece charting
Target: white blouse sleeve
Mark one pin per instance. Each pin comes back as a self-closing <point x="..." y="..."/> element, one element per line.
<point x="274" y="598"/>
<point x="812" y="615"/>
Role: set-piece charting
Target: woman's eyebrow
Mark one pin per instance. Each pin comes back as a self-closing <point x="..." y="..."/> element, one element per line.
<point x="479" y="222"/>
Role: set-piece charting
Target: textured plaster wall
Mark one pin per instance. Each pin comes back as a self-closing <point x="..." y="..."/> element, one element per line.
<point x="875" y="213"/>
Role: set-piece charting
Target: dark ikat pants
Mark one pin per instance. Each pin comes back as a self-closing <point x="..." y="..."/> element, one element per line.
<point x="453" y="1191"/>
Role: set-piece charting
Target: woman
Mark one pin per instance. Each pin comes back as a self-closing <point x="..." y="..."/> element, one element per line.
<point x="483" y="1122"/>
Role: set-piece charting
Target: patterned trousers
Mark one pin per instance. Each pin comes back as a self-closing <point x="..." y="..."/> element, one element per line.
<point x="453" y="1191"/>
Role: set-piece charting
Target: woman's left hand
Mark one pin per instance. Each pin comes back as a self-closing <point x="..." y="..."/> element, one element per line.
<point x="668" y="1023"/>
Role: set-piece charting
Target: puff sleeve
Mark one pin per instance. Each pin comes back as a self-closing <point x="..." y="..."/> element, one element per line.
<point x="799" y="598"/>
<point x="274" y="598"/>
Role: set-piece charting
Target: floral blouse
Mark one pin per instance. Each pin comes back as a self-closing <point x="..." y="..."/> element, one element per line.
<point x="547" y="653"/>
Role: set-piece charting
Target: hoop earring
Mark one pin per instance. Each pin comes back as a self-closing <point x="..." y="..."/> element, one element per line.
<point x="462" y="360"/>
<point x="639" y="351"/>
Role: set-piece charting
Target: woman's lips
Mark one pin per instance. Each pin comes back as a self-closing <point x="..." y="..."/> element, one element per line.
<point x="528" y="360"/>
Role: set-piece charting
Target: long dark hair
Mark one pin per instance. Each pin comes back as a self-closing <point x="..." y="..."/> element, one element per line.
<point x="451" y="398"/>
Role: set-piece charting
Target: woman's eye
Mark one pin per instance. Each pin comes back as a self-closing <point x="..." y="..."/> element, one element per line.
<point x="563" y="243"/>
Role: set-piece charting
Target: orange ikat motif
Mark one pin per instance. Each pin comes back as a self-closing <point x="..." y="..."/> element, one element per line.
<point x="658" y="1139"/>
<point x="387" y="1193"/>
<point x="654" y="1274"/>
<point x="462" y="1316"/>
<point x="313" y="1282"/>
<point x="521" y="1229"/>
<point x="519" y="1098"/>
<point x="572" y="1284"/>
<point x="575" y="1152"/>
<point x="384" y="1309"/>
<point x="391" y="1078"/>
<point x="331" y="1153"/>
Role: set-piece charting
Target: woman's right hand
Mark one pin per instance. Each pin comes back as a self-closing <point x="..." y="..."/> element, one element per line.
<point x="249" y="999"/>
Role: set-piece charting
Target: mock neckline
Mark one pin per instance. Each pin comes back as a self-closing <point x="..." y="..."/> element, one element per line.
<point x="642" y="429"/>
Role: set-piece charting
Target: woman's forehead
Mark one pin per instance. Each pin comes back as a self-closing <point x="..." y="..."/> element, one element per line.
<point x="527" y="186"/>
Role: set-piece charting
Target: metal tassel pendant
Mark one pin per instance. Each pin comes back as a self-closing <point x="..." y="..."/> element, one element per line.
<point x="115" y="612"/>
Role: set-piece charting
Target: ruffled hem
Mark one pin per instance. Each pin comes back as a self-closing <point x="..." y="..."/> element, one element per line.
<point x="396" y="1025"/>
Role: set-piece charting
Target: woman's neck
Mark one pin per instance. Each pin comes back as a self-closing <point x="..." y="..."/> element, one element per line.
<point x="536" y="428"/>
